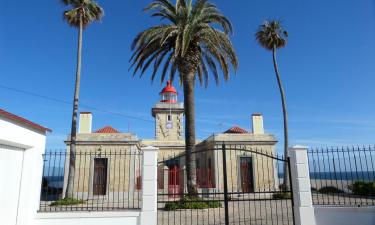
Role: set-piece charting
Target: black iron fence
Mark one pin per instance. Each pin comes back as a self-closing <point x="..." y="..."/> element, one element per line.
<point x="235" y="184"/>
<point x="101" y="179"/>
<point x="343" y="176"/>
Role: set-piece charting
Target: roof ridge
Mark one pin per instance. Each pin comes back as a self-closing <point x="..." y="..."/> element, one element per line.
<point x="236" y="130"/>
<point x="107" y="130"/>
<point x="23" y="120"/>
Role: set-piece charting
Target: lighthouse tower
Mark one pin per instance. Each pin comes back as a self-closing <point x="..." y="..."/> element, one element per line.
<point x="168" y="114"/>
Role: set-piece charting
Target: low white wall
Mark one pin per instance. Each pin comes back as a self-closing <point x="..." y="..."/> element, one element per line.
<point x="21" y="163"/>
<point x="344" y="215"/>
<point x="87" y="218"/>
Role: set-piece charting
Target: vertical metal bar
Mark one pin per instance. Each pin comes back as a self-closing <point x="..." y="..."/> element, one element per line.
<point x="225" y="185"/>
<point x="291" y="190"/>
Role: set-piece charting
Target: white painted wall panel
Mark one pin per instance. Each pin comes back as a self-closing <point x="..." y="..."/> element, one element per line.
<point x="85" y="218"/>
<point x="10" y="178"/>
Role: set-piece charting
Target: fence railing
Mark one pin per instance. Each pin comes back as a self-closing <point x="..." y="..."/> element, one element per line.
<point x="235" y="184"/>
<point x="343" y="176"/>
<point x="102" y="180"/>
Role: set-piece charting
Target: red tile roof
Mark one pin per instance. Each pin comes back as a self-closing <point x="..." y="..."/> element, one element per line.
<point x="236" y="130"/>
<point x="23" y="121"/>
<point x="107" y="130"/>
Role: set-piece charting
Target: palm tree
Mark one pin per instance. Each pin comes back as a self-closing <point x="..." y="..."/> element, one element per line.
<point x="190" y="43"/>
<point x="272" y="36"/>
<point x="81" y="14"/>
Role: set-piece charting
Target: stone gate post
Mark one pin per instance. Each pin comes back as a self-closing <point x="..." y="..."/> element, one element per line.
<point x="149" y="186"/>
<point x="300" y="177"/>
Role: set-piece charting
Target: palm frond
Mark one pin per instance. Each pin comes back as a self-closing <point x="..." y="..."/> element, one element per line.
<point x="194" y="39"/>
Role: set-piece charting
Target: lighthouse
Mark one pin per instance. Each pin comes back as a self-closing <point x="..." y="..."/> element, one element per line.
<point x="168" y="114"/>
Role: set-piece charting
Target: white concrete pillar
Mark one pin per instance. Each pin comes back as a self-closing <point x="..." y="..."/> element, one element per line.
<point x="299" y="167"/>
<point x="149" y="186"/>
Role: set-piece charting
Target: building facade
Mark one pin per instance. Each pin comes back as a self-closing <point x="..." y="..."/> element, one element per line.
<point x="106" y="153"/>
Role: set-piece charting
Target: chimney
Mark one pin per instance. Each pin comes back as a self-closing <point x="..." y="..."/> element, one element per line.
<point x="257" y="119"/>
<point x="85" y="123"/>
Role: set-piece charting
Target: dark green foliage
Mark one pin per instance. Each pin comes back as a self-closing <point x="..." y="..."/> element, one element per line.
<point x="191" y="203"/>
<point x="88" y="10"/>
<point x="271" y="35"/>
<point x="281" y="195"/>
<point x="67" y="201"/>
<point x="188" y="41"/>
<point x="363" y="188"/>
<point x="330" y="190"/>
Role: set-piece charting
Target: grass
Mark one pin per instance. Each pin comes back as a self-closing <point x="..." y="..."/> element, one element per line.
<point x="191" y="203"/>
<point x="67" y="201"/>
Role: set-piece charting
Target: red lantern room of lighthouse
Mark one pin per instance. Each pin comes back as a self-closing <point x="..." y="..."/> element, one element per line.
<point x="168" y="94"/>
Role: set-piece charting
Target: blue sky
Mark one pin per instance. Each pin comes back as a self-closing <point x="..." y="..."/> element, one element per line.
<point x="327" y="68"/>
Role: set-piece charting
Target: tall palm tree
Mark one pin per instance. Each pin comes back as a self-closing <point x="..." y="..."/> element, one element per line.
<point x="272" y="36"/>
<point x="81" y="14"/>
<point x="190" y="43"/>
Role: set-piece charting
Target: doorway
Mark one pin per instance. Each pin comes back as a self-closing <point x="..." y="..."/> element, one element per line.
<point x="247" y="175"/>
<point x="100" y="176"/>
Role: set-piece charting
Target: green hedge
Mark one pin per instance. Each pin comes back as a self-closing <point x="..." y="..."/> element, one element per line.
<point x="67" y="201"/>
<point x="364" y="188"/>
<point x="330" y="190"/>
<point x="281" y="195"/>
<point x="191" y="203"/>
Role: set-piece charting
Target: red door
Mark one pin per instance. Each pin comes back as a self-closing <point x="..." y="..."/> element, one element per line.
<point x="174" y="182"/>
<point x="246" y="170"/>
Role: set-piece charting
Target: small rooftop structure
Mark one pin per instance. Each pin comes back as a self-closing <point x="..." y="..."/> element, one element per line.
<point x="168" y="94"/>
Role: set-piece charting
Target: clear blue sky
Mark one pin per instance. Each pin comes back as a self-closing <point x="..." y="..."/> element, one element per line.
<point x="328" y="70"/>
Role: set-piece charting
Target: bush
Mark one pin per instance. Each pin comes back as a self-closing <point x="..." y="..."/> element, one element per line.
<point x="191" y="203"/>
<point x="330" y="190"/>
<point x="363" y="188"/>
<point x="281" y="195"/>
<point x="67" y="201"/>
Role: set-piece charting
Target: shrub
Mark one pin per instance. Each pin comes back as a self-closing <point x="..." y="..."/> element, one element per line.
<point x="170" y="206"/>
<point x="363" y="188"/>
<point x="330" y="190"/>
<point x="67" y="201"/>
<point x="191" y="203"/>
<point x="281" y="195"/>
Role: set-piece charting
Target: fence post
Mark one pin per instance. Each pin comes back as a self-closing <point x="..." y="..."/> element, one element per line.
<point x="303" y="208"/>
<point x="149" y="186"/>
<point x="226" y="199"/>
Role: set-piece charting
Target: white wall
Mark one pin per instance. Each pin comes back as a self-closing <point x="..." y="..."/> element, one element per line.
<point x="21" y="169"/>
<point x="9" y="191"/>
<point x="21" y="157"/>
<point x="344" y="215"/>
<point x="87" y="218"/>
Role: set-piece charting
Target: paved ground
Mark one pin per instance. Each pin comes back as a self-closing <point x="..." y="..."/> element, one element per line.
<point x="342" y="200"/>
<point x="240" y="212"/>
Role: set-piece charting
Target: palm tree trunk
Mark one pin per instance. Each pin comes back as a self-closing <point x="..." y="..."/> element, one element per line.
<point x="283" y="102"/>
<point x="73" y="133"/>
<point x="188" y="85"/>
